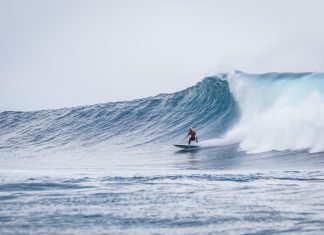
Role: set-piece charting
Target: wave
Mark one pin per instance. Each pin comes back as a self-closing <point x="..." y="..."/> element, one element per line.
<point x="278" y="111"/>
<point x="261" y="112"/>
<point x="208" y="106"/>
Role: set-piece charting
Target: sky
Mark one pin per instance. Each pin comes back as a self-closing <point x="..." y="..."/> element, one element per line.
<point x="60" y="53"/>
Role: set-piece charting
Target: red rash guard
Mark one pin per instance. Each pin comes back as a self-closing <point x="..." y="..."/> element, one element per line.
<point x="192" y="133"/>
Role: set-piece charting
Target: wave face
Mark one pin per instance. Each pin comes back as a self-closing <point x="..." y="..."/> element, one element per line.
<point x="274" y="111"/>
<point x="208" y="106"/>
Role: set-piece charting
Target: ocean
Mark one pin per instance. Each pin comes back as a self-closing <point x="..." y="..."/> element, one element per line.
<point x="112" y="168"/>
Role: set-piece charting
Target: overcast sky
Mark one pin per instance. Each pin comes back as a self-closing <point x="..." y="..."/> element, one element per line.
<point x="64" y="53"/>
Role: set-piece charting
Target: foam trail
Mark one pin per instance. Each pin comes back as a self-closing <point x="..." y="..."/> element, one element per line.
<point x="218" y="142"/>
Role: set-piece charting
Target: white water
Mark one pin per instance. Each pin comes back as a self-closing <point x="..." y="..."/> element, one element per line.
<point x="277" y="114"/>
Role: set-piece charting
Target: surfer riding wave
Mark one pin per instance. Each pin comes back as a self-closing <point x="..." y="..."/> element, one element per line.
<point x="193" y="135"/>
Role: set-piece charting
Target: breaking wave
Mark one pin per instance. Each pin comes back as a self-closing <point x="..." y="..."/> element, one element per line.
<point x="273" y="111"/>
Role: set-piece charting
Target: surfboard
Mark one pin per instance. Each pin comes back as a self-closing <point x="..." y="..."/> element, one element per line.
<point x="187" y="147"/>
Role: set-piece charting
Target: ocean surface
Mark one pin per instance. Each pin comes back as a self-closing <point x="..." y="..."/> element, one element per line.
<point x="112" y="168"/>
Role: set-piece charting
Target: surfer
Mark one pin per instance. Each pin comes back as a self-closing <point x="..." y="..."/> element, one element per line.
<point x="193" y="135"/>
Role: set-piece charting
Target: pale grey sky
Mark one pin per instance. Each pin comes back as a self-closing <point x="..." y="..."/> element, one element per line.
<point x="63" y="53"/>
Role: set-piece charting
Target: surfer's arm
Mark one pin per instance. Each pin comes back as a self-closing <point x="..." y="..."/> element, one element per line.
<point x="186" y="136"/>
